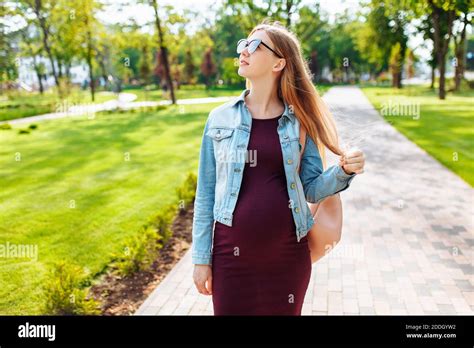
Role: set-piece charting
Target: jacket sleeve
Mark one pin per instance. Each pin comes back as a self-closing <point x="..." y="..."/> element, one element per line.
<point x="317" y="184"/>
<point x="203" y="219"/>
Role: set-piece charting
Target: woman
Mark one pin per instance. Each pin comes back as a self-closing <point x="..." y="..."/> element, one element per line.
<point x="255" y="260"/>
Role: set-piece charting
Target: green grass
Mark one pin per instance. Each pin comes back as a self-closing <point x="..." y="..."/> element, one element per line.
<point x="444" y="128"/>
<point x="23" y="104"/>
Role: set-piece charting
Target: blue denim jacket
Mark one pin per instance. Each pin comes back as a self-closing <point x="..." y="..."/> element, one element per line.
<point x="221" y="164"/>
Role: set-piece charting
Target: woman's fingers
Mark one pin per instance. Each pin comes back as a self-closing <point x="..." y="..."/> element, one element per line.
<point x="209" y="285"/>
<point x="201" y="286"/>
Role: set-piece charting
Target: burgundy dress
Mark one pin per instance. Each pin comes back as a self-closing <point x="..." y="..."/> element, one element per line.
<point x="258" y="266"/>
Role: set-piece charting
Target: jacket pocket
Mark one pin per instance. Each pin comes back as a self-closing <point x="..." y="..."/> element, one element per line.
<point x="222" y="138"/>
<point x="219" y="133"/>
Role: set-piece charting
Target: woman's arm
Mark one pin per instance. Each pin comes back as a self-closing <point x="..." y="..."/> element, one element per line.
<point x="317" y="184"/>
<point x="203" y="220"/>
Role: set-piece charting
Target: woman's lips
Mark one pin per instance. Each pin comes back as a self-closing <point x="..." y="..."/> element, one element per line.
<point x="243" y="63"/>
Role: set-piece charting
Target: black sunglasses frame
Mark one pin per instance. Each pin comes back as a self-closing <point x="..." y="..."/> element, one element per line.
<point x="256" y="46"/>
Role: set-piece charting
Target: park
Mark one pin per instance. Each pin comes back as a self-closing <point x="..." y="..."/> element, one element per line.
<point x="102" y="109"/>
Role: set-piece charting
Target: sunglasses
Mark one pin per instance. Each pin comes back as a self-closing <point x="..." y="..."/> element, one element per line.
<point x="252" y="46"/>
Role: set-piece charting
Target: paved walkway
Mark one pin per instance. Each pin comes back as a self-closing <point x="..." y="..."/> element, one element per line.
<point x="124" y="101"/>
<point x="407" y="239"/>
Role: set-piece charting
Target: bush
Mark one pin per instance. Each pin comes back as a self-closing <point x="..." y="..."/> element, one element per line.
<point x="187" y="192"/>
<point x="24" y="131"/>
<point x="139" y="252"/>
<point x="33" y="126"/>
<point x="65" y="294"/>
<point x="5" y="126"/>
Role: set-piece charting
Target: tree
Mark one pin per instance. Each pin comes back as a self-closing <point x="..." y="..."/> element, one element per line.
<point x="189" y="67"/>
<point x="208" y="68"/>
<point x="8" y="50"/>
<point x="163" y="50"/>
<point x="460" y="49"/>
<point x="42" y="10"/>
<point x="33" y="50"/>
<point x="442" y="18"/>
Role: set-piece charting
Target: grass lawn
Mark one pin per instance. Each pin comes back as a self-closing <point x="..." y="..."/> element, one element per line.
<point x="444" y="128"/>
<point x="74" y="196"/>
<point x="23" y="104"/>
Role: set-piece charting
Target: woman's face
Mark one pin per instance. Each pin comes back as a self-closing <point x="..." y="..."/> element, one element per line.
<point x="261" y="62"/>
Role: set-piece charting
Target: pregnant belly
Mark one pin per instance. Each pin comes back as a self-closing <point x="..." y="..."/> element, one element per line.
<point x="262" y="224"/>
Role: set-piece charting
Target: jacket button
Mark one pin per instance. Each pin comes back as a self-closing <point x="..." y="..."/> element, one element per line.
<point x="293" y="185"/>
<point x="297" y="209"/>
<point x="290" y="161"/>
<point x="232" y="194"/>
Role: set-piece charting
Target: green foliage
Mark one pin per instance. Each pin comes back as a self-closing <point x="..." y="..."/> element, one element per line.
<point x="139" y="251"/>
<point x="64" y="293"/>
<point x="229" y="72"/>
<point x="186" y="192"/>
<point x="395" y="59"/>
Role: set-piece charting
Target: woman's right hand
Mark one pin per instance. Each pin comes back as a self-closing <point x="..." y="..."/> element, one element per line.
<point x="203" y="273"/>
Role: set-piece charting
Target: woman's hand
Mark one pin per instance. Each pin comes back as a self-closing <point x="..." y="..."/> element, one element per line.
<point x="203" y="273"/>
<point x="352" y="161"/>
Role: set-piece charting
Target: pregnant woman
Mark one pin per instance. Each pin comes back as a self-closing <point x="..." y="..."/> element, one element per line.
<point x="250" y="247"/>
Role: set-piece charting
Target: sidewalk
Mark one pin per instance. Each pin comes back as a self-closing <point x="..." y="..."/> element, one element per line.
<point x="407" y="239"/>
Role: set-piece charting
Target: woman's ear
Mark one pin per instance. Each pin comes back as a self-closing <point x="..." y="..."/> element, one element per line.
<point x="280" y="64"/>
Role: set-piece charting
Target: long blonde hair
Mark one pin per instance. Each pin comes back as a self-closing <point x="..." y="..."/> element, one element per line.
<point x="296" y="88"/>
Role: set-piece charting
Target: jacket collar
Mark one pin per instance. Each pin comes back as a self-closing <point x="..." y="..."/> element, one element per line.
<point x="241" y="98"/>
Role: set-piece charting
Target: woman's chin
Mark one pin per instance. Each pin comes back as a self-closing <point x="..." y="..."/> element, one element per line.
<point x="241" y="72"/>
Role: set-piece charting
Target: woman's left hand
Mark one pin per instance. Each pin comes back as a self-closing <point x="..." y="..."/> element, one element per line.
<point x="352" y="161"/>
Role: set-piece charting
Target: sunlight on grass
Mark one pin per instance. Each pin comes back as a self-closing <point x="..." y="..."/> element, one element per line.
<point x="444" y="127"/>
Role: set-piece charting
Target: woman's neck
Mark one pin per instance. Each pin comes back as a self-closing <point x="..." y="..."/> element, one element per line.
<point x="263" y="102"/>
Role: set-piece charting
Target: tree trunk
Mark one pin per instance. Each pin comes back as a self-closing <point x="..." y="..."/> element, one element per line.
<point x="89" y="56"/>
<point x="433" y="75"/>
<point x="40" y="80"/>
<point x="37" y="9"/>
<point x="459" y="49"/>
<point x="442" y="79"/>
<point x="441" y="42"/>
<point x="164" y="52"/>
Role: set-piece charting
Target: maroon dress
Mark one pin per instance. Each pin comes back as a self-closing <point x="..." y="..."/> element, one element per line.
<point x="258" y="266"/>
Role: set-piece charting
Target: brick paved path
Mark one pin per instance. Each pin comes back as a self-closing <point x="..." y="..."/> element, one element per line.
<point x="407" y="238"/>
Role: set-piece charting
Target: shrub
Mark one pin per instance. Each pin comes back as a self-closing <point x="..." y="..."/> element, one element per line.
<point x="187" y="191"/>
<point x="4" y="126"/>
<point x="139" y="252"/>
<point x="64" y="292"/>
